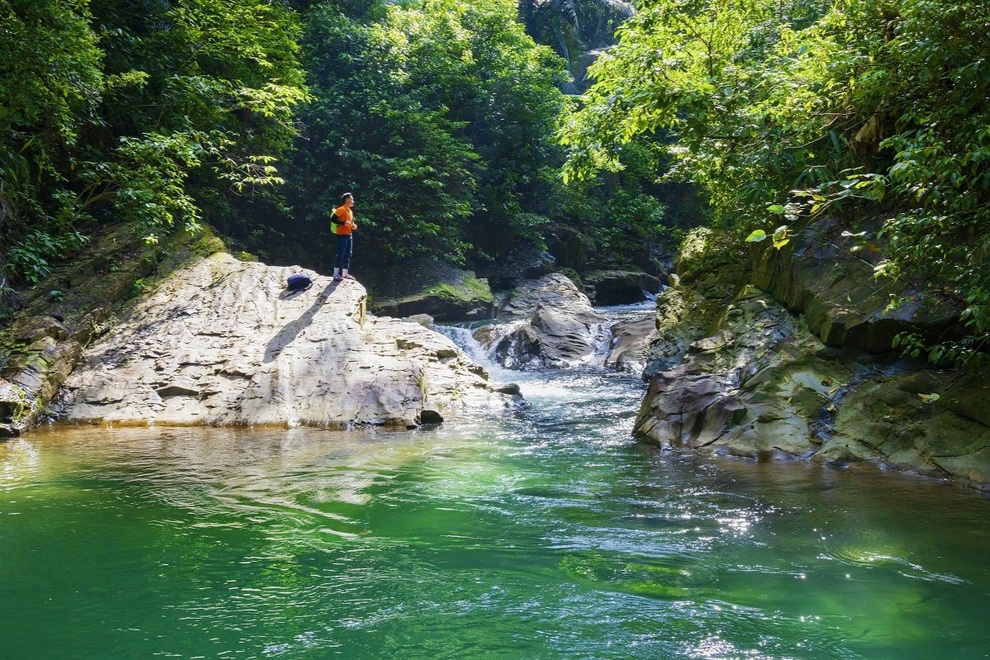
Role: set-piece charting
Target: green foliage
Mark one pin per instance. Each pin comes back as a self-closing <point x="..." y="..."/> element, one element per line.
<point x="203" y="95"/>
<point x="440" y="118"/>
<point x="734" y="82"/>
<point x="368" y="133"/>
<point x="783" y="110"/>
<point x="968" y="352"/>
<point x="468" y="289"/>
<point x="139" y="110"/>
<point x="31" y="257"/>
<point x="627" y="212"/>
<point x="50" y="79"/>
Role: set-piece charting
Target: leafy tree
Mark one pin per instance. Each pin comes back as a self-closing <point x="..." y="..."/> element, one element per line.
<point x="723" y="78"/>
<point x="440" y="118"/>
<point x="146" y="110"/>
<point x="508" y="99"/>
<point x="200" y="102"/>
<point x="797" y="109"/>
<point x="50" y="80"/>
<point x="917" y="77"/>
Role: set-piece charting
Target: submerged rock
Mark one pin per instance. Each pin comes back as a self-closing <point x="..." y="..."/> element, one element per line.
<point x="222" y="342"/>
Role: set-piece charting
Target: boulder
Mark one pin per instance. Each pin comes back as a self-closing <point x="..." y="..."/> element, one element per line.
<point x="445" y="294"/>
<point x="221" y="342"/>
<point x="79" y="301"/>
<point x="562" y="327"/>
<point x="554" y="290"/>
<point x="827" y="275"/>
<point x="751" y="378"/>
<point x="928" y="421"/>
<point x="754" y="389"/>
<point x="619" y="287"/>
<point x="628" y="346"/>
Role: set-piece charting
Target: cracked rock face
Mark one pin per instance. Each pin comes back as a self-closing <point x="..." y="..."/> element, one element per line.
<point x="563" y="330"/>
<point x="223" y="343"/>
<point x="764" y="387"/>
<point x="937" y="423"/>
<point x="754" y="389"/>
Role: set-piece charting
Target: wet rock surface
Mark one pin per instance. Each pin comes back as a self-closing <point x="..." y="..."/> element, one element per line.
<point x="628" y="346"/>
<point x="753" y="389"/>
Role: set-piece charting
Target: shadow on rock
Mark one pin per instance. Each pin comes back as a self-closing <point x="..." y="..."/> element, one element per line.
<point x="288" y="334"/>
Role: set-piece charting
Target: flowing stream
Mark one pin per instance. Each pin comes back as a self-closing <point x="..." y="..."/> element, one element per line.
<point x="546" y="532"/>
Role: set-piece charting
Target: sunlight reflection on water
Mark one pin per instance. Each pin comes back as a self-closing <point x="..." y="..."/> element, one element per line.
<point x="546" y="532"/>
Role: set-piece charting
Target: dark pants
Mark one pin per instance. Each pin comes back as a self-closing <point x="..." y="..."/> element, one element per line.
<point x="345" y="245"/>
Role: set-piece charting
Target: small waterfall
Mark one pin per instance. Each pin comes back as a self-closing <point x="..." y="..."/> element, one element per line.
<point x="600" y="339"/>
<point x="466" y="342"/>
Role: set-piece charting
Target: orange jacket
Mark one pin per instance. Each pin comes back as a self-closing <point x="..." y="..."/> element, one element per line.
<point x="342" y="221"/>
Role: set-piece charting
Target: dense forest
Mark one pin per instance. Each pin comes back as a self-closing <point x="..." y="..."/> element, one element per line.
<point x="472" y="131"/>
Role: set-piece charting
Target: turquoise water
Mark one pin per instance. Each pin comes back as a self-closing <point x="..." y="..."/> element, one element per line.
<point x="541" y="533"/>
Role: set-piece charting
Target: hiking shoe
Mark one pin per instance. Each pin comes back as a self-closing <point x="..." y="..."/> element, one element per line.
<point x="349" y="277"/>
<point x="337" y="278"/>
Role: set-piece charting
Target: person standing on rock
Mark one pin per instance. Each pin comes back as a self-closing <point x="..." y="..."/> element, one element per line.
<point x="342" y="224"/>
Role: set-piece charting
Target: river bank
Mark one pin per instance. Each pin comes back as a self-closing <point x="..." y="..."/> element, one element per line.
<point x="183" y="333"/>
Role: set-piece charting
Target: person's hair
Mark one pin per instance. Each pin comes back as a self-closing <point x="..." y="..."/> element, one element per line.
<point x="343" y="198"/>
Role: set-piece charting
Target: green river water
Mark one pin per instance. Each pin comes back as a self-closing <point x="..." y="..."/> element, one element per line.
<point x="541" y="533"/>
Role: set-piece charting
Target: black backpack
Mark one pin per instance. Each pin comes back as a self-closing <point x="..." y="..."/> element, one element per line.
<point x="298" y="282"/>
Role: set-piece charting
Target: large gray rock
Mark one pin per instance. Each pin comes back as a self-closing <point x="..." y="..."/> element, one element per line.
<point x="562" y="329"/>
<point x="754" y="389"/>
<point x="221" y="342"/>
<point x="79" y="301"/>
<point x="828" y="276"/>
<point x="620" y="287"/>
<point x="630" y="341"/>
<point x="934" y="422"/>
<point x="755" y="380"/>
<point x="553" y="290"/>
